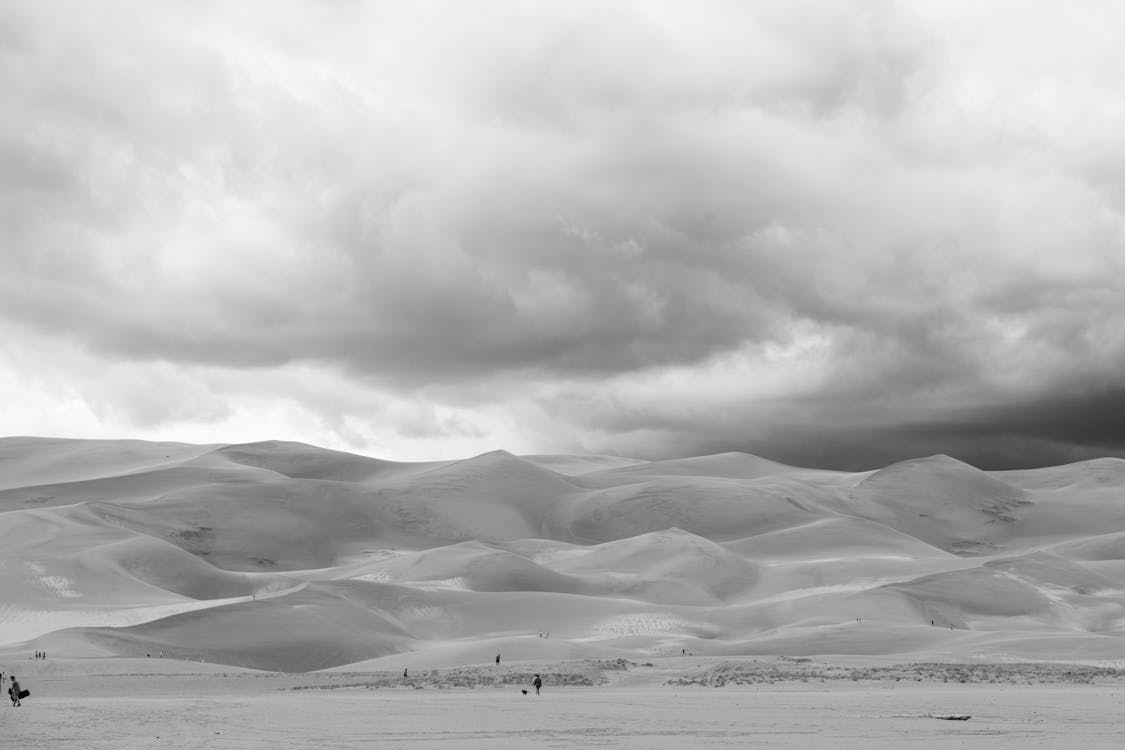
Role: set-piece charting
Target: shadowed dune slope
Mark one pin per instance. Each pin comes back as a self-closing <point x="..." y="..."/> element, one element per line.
<point x="726" y="465"/>
<point x="1100" y="547"/>
<point x="285" y="556"/>
<point x="301" y="461"/>
<point x="834" y="536"/>
<point x="470" y="565"/>
<point x="668" y="555"/>
<point x="140" y="486"/>
<point x="712" y="507"/>
<point x="492" y="497"/>
<point x="573" y="466"/>
<point x="31" y="461"/>
<point x="276" y="525"/>
<point x="944" y="502"/>
<point x="1098" y="472"/>
<point x="957" y="597"/>
<point x="310" y="629"/>
<point x="69" y="553"/>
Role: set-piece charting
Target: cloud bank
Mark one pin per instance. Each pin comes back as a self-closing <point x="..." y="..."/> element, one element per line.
<point x="834" y="234"/>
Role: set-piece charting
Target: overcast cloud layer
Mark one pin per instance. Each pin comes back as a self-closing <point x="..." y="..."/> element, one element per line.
<point x="838" y="234"/>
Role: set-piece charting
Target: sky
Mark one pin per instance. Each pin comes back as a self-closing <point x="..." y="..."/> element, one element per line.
<point x="835" y="234"/>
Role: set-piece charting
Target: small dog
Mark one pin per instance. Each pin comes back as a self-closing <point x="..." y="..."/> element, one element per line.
<point x="524" y="692"/>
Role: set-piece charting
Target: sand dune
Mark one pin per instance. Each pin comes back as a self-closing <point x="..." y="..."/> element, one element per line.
<point x="1100" y="547"/>
<point x="283" y="556"/>
<point x="944" y="502"/>
<point x="834" y="537"/>
<point x="311" y="628"/>
<point x="573" y="466"/>
<point x="299" y="461"/>
<point x="729" y="465"/>
<point x="713" y="507"/>
<point x="493" y="497"/>
<point x="1106" y="471"/>
<point x="31" y="461"/>
<point x="473" y="566"/>
<point x="669" y="556"/>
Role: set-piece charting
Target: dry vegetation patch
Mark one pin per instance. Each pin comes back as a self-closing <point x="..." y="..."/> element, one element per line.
<point x="805" y="670"/>
<point x="580" y="675"/>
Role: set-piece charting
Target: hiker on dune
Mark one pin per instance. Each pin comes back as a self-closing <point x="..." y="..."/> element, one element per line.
<point x="14" y="691"/>
<point x="538" y="683"/>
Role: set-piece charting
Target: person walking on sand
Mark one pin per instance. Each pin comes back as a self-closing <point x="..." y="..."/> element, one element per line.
<point x="497" y="659"/>
<point x="14" y="691"/>
<point x="537" y="683"/>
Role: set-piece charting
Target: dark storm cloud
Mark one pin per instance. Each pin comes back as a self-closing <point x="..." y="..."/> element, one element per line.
<point x="810" y="230"/>
<point x="1049" y="430"/>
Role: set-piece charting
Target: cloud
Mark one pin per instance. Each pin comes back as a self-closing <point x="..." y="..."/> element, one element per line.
<point x="635" y="227"/>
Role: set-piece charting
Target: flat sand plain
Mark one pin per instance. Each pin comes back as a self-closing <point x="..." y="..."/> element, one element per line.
<point x="674" y="703"/>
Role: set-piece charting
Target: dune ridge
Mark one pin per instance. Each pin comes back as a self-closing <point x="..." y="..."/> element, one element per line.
<point x="285" y="556"/>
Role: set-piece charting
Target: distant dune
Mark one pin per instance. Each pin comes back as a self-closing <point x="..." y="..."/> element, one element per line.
<point x="284" y="556"/>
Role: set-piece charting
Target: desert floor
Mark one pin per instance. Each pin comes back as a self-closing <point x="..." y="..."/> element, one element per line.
<point x="98" y="703"/>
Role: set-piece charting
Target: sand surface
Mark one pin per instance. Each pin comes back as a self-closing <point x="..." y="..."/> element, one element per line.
<point x="98" y="704"/>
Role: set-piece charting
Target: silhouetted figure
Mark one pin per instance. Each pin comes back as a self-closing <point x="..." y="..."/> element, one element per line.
<point x="14" y="691"/>
<point x="497" y="659"/>
<point x="404" y="673"/>
<point x="537" y="683"/>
